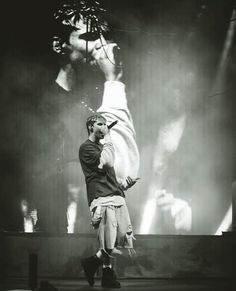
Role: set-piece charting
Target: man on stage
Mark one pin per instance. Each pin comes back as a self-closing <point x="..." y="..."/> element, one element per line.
<point x="105" y="195"/>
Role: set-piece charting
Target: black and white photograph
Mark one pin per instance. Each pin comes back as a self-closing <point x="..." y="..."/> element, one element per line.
<point x="118" y="145"/>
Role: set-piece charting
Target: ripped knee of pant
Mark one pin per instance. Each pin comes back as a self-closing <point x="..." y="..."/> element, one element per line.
<point x="95" y="222"/>
<point x="129" y="231"/>
<point x="129" y="237"/>
<point x="96" y="217"/>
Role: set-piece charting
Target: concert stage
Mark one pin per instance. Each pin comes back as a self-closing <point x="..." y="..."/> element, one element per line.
<point x="163" y="262"/>
<point x="138" y="285"/>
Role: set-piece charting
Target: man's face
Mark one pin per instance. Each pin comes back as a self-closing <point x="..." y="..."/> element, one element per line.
<point x="82" y="41"/>
<point x="99" y="129"/>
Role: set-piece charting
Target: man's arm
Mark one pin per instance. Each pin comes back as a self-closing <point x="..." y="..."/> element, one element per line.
<point x="128" y="183"/>
<point x="94" y="158"/>
<point x="114" y="107"/>
<point x="108" y="154"/>
<point x="89" y="155"/>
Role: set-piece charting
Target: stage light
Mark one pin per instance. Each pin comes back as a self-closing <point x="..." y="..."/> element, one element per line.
<point x="218" y="85"/>
<point x="149" y="212"/>
<point x="226" y="222"/>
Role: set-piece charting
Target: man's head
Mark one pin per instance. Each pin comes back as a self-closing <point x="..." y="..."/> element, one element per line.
<point x="78" y="27"/>
<point x="96" y="126"/>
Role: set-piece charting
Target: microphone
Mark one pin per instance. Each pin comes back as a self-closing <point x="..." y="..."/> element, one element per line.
<point x="112" y="124"/>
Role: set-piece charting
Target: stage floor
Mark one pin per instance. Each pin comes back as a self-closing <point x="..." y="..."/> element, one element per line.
<point x="135" y="285"/>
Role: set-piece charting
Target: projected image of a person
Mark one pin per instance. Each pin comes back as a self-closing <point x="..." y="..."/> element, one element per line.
<point x="85" y="45"/>
<point x="106" y="200"/>
<point x="163" y="209"/>
<point x="79" y="47"/>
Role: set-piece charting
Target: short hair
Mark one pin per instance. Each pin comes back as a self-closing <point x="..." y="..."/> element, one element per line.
<point x="71" y="11"/>
<point x="92" y="119"/>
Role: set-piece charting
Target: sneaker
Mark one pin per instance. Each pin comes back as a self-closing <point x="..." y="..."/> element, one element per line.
<point x="109" y="278"/>
<point x="90" y="266"/>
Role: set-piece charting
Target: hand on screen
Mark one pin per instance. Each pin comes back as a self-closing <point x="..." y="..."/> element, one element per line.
<point x="179" y="209"/>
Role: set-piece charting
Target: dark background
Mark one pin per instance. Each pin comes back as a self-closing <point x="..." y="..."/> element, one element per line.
<point x="162" y="42"/>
